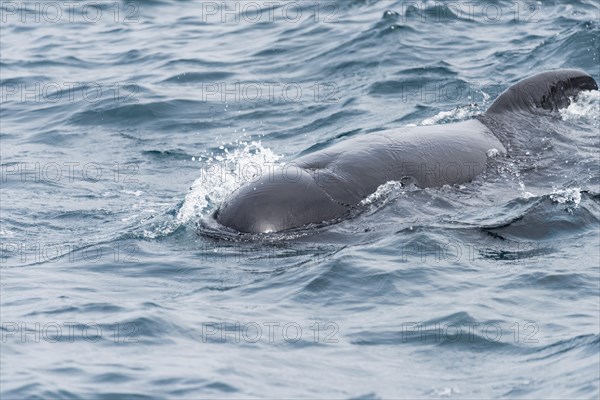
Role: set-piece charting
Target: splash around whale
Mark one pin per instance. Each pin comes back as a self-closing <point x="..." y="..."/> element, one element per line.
<point x="328" y="184"/>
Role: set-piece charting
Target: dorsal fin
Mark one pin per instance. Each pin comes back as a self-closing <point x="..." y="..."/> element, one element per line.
<point x="548" y="90"/>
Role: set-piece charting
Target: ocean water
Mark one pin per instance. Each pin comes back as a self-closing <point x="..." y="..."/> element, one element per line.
<point x="125" y="124"/>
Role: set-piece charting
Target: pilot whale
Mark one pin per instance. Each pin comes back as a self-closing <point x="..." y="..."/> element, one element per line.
<point x="327" y="184"/>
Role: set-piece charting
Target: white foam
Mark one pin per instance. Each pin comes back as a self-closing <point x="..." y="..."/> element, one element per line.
<point x="493" y="152"/>
<point x="570" y="196"/>
<point x="137" y="193"/>
<point x="457" y="114"/>
<point x="223" y="173"/>
<point x="383" y="191"/>
<point x="446" y="392"/>
<point x="586" y="107"/>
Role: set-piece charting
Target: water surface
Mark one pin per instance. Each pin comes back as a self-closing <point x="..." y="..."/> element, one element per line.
<point x="122" y="132"/>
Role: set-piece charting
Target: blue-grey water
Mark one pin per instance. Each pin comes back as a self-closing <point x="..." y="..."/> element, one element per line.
<point x="125" y="124"/>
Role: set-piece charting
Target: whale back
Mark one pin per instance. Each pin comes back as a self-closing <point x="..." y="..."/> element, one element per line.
<point x="329" y="183"/>
<point x="550" y="91"/>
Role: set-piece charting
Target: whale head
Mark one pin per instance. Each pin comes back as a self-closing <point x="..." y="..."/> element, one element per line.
<point x="276" y="202"/>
